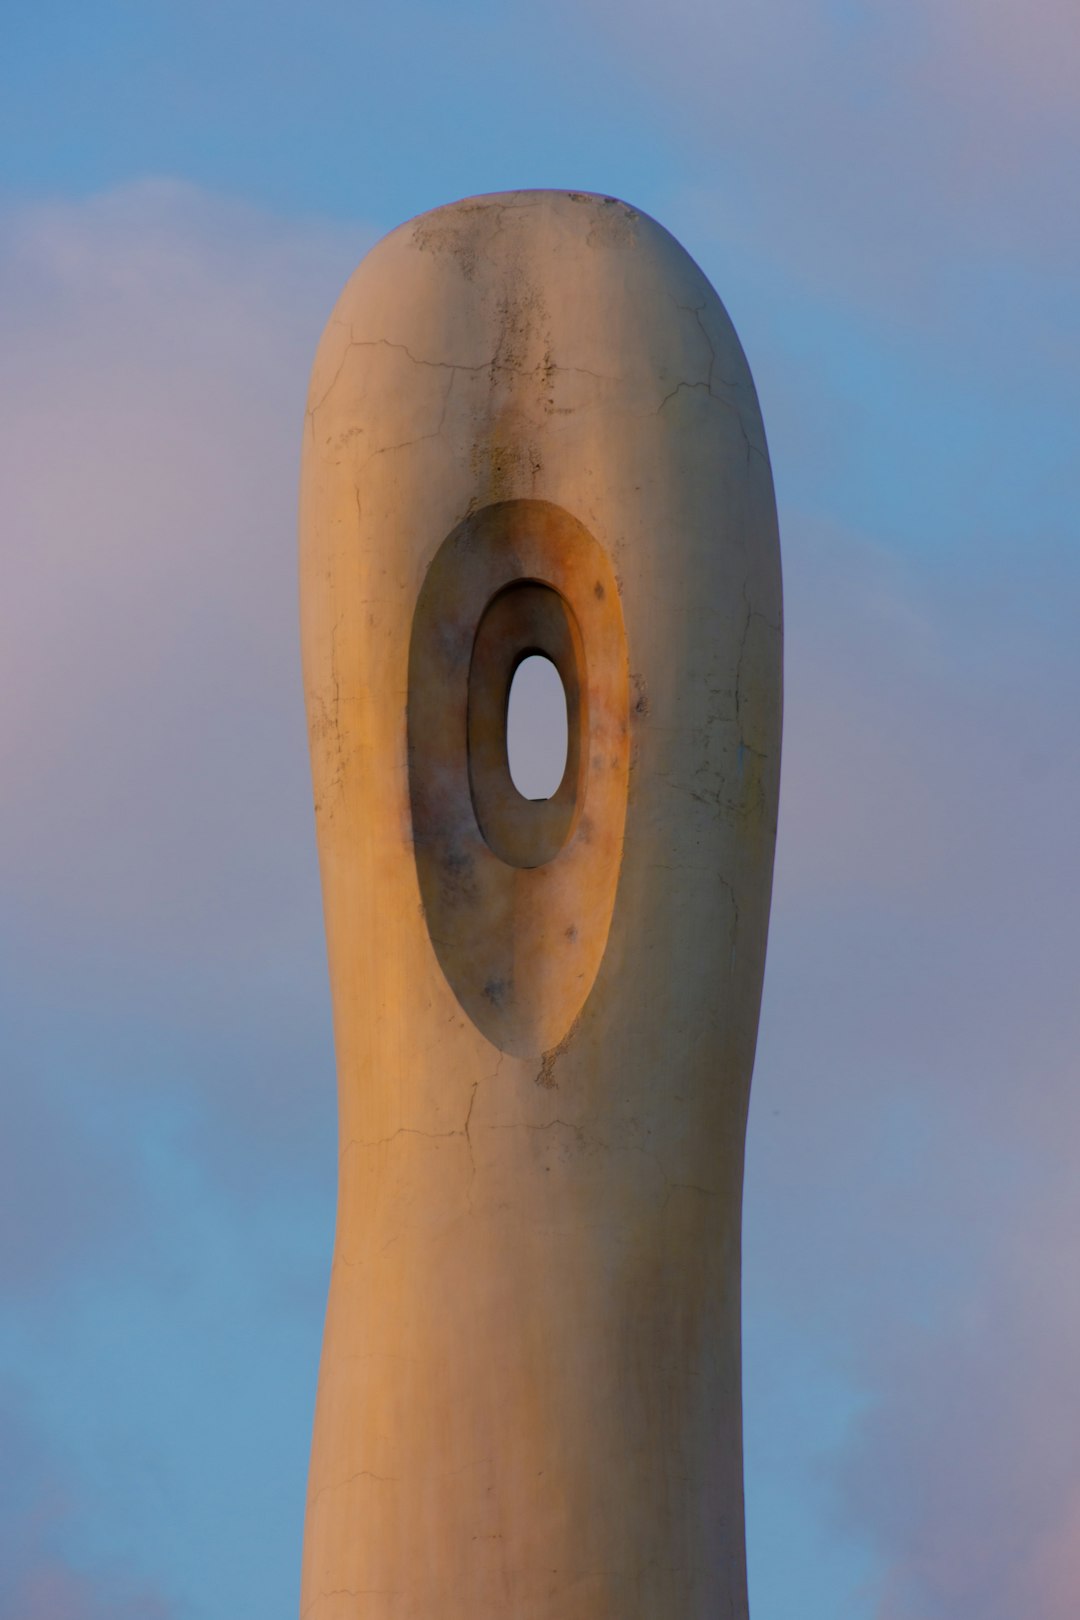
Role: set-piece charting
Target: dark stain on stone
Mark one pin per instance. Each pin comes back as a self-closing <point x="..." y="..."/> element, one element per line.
<point x="546" y="1076"/>
<point x="641" y="696"/>
<point x="458" y="877"/>
<point x="546" y="1073"/>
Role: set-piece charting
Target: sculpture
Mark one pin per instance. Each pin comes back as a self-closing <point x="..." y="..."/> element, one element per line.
<point x="531" y="429"/>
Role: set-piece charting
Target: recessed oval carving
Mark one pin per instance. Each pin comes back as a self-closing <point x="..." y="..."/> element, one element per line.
<point x="517" y="894"/>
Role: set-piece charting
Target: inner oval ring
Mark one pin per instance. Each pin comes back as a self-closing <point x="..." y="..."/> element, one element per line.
<point x="524" y="618"/>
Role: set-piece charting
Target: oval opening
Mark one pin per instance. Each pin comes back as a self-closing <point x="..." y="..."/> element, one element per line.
<point x="536" y="728"/>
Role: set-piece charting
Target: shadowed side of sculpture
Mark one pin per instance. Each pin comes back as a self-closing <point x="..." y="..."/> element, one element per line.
<point x="532" y="431"/>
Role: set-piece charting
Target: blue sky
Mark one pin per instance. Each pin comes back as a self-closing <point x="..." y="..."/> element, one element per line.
<point x="885" y="200"/>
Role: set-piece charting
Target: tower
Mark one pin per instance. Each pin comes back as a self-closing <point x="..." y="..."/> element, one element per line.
<point x="531" y="429"/>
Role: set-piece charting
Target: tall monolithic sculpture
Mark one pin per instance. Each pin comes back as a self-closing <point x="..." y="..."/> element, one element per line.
<point x="532" y="429"/>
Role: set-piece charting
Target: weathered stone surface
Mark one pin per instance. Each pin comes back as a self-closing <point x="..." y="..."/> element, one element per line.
<point x="545" y="1014"/>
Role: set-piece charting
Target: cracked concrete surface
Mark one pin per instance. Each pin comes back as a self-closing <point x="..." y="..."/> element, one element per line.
<point x="529" y="1397"/>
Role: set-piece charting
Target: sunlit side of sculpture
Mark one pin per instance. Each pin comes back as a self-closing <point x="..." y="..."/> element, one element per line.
<point x="532" y="429"/>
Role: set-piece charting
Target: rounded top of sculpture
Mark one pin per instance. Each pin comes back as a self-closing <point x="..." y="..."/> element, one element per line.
<point x="604" y="221"/>
<point x="562" y="276"/>
<point x="492" y="222"/>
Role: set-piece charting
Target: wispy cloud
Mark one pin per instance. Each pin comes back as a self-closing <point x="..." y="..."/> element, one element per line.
<point x="880" y="149"/>
<point x="168" y="1076"/>
<point x="37" y="1580"/>
<point x="912" y="1210"/>
<point x="158" y="851"/>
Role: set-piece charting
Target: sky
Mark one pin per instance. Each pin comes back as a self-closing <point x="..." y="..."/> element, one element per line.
<point x="885" y="199"/>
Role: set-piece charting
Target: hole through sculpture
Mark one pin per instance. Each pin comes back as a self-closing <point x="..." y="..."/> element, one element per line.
<point x="536" y="728"/>
<point x="533" y="441"/>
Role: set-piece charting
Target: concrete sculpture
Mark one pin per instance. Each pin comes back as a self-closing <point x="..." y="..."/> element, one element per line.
<point x="531" y="429"/>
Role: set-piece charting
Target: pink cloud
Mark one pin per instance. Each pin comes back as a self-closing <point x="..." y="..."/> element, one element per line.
<point x="157" y="344"/>
<point x="1022" y="57"/>
<point x="911" y="1178"/>
<point x="37" y="1580"/>
<point x="53" y="1591"/>
<point x="876" y="153"/>
<point x="157" y="863"/>
<point x="965" y="1468"/>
